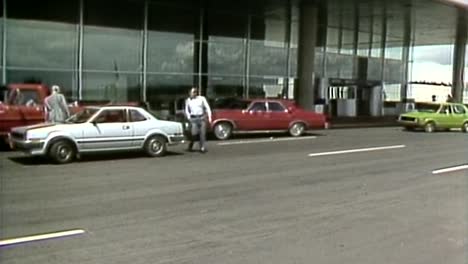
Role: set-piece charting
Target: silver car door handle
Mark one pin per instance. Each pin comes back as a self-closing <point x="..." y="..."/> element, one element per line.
<point x="125" y="127"/>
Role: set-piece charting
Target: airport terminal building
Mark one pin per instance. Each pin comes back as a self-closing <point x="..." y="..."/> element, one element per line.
<point x="353" y="57"/>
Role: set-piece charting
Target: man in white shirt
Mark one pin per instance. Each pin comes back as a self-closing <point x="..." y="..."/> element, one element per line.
<point x="196" y="111"/>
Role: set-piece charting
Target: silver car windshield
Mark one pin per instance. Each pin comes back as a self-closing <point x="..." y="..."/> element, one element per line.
<point x="82" y="116"/>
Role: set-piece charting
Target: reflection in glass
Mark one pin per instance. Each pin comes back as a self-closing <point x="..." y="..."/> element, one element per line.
<point x="112" y="35"/>
<point x="112" y="49"/>
<point x="171" y="36"/>
<point x="39" y="44"/>
<point x="226" y="57"/>
<point x="170" y="52"/>
<point x="266" y="87"/>
<point x="393" y="70"/>
<point x="363" y="44"/>
<point x="65" y="79"/>
<point x="267" y="59"/>
<point x="347" y="47"/>
<point x="374" y="69"/>
<point x="391" y="92"/>
<point x="332" y="40"/>
<point x="116" y="87"/>
<point x="293" y="60"/>
<point x="340" y="66"/>
<point x="164" y="90"/>
<point x="376" y="46"/>
<point x="225" y="86"/>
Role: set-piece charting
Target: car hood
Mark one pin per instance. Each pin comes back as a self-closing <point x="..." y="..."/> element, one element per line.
<point x="44" y="127"/>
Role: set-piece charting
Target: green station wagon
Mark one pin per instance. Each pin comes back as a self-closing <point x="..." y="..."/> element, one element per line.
<point x="434" y="116"/>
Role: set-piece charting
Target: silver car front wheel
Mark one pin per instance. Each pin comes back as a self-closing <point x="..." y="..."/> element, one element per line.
<point x="156" y="146"/>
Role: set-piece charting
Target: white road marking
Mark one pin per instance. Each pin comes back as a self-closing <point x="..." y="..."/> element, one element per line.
<point x="263" y="140"/>
<point x="355" y="150"/>
<point x="451" y="169"/>
<point x="18" y="240"/>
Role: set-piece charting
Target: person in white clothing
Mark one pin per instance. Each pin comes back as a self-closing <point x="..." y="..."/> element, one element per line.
<point x="197" y="111"/>
<point x="56" y="108"/>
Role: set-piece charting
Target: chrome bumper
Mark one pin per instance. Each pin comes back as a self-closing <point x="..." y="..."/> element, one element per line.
<point x="27" y="146"/>
<point x="176" y="139"/>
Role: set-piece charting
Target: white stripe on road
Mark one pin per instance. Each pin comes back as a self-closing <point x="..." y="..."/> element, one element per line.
<point x="355" y="150"/>
<point x="452" y="169"/>
<point x="263" y="140"/>
<point x="13" y="241"/>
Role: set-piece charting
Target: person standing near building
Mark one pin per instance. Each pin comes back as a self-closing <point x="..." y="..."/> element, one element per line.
<point x="197" y="110"/>
<point x="56" y="106"/>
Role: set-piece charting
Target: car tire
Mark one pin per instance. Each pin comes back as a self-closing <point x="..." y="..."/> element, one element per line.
<point x="222" y="130"/>
<point x="156" y="146"/>
<point x="297" y="129"/>
<point x="429" y="127"/>
<point x="465" y="127"/>
<point x="62" y="151"/>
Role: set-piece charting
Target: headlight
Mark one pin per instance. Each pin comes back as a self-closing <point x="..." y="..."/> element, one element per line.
<point x="32" y="137"/>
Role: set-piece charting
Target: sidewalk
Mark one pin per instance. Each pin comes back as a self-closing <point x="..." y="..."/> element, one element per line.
<point x="363" y="121"/>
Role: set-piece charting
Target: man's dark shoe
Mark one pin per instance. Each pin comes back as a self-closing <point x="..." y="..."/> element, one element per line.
<point x="189" y="147"/>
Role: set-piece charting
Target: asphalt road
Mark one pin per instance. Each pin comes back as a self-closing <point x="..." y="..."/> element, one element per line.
<point x="248" y="200"/>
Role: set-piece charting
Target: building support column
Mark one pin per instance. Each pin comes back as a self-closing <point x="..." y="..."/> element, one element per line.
<point x="459" y="53"/>
<point x="305" y="92"/>
<point x="404" y="105"/>
<point x="144" y="85"/>
<point x="4" y="41"/>
<point x="407" y="31"/>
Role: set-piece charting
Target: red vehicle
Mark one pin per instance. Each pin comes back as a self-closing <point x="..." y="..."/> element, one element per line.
<point x="23" y="105"/>
<point x="264" y="115"/>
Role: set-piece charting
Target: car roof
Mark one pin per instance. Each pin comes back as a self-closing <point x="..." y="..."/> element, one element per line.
<point x="114" y="107"/>
<point x="284" y="101"/>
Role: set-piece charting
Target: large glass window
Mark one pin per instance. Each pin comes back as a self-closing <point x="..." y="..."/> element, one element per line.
<point x="226" y="56"/>
<point x="65" y="79"/>
<point x="226" y="47"/>
<point x="43" y="43"/>
<point x="271" y="87"/>
<point x="268" y="49"/>
<point x="333" y="35"/>
<point x="112" y="38"/>
<point x="117" y="87"/>
<point x="171" y="36"/>
<point x="225" y="86"/>
<point x="112" y="49"/>
<point x="163" y="90"/>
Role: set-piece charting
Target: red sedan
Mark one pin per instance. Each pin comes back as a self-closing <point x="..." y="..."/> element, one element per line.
<point x="264" y="115"/>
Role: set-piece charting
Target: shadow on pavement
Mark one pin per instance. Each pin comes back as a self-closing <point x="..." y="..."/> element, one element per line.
<point x="268" y="135"/>
<point x="94" y="157"/>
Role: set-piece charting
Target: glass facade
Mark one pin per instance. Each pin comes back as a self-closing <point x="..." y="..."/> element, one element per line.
<point x="134" y="50"/>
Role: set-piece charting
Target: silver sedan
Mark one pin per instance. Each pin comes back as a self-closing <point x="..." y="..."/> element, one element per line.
<point x="98" y="129"/>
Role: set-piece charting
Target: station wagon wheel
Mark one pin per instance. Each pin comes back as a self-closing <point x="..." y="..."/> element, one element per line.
<point x="222" y="130"/>
<point x="429" y="127"/>
<point x="62" y="152"/>
<point x="465" y="127"/>
<point x="156" y="146"/>
<point x="297" y="129"/>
